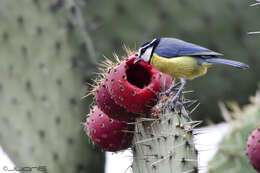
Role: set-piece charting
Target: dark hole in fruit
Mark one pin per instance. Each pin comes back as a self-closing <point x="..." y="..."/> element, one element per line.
<point x="138" y="75"/>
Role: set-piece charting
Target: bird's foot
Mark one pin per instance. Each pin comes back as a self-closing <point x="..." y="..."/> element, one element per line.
<point x="172" y="103"/>
<point x="171" y="89"/>
<point x="176" y="105"/>
<point x="167" y="92"/>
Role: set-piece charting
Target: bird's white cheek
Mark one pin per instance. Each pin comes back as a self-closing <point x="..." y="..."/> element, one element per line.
<point x="147" y="54"/>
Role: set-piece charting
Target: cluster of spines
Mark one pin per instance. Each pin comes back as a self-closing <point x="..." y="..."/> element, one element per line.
<point x="164" y="143"/>
<point x="105" y="67"/>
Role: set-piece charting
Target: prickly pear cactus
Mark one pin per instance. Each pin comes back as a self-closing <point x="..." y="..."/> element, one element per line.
<point x="41" y="86"/>
<point x="165" y="144"/>
<point x="231" y="155"/>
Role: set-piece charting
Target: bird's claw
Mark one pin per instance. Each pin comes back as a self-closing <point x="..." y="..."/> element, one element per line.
<point x="171" y="89"/>
<point x="171" y="104"/>
<point x="167" y="92"/>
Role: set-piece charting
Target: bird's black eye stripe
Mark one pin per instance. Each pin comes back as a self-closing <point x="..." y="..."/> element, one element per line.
<point x="148" y="44"/>
<point x="143" y="50"/>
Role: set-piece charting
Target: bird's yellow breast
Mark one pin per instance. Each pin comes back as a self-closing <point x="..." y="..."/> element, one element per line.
<point x="179" y="67"/>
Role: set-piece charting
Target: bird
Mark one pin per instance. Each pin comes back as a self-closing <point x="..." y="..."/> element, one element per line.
<point x="181" y="60"/>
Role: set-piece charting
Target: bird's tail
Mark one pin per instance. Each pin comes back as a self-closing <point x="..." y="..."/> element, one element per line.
<point x="227" y="62"/>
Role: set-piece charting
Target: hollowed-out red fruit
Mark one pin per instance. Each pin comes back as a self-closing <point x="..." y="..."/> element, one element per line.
<point x="135" y="86"/>
<point x="107" y="133"/>
<point x="137" y="75"/>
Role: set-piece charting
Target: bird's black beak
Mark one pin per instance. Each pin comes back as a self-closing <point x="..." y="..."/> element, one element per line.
<point x="137" y="59"/>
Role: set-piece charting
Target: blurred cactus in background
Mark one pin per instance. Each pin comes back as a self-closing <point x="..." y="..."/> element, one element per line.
<point x="44" y="64"/>
<point x="231" y="155"/>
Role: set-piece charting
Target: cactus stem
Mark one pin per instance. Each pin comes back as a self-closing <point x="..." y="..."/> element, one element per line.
<point x="169" y="136"/>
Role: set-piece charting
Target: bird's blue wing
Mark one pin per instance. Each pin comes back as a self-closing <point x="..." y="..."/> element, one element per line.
<point x="171" y="47"/>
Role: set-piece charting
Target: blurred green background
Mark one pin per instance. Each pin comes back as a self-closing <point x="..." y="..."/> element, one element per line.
<point x="49" y="50"/>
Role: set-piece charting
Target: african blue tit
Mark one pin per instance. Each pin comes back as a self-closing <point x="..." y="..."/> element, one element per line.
<point x="181" y="60"/>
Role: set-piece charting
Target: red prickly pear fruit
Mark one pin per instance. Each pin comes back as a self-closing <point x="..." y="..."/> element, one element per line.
<point x="253" y="149"/>
<point x="107" y="133"/>
<point x="108" y="105"/>
<point x="135" y="86"/>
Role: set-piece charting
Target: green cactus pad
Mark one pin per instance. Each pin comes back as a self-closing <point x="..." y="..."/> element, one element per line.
<point x="41" y="88"/>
